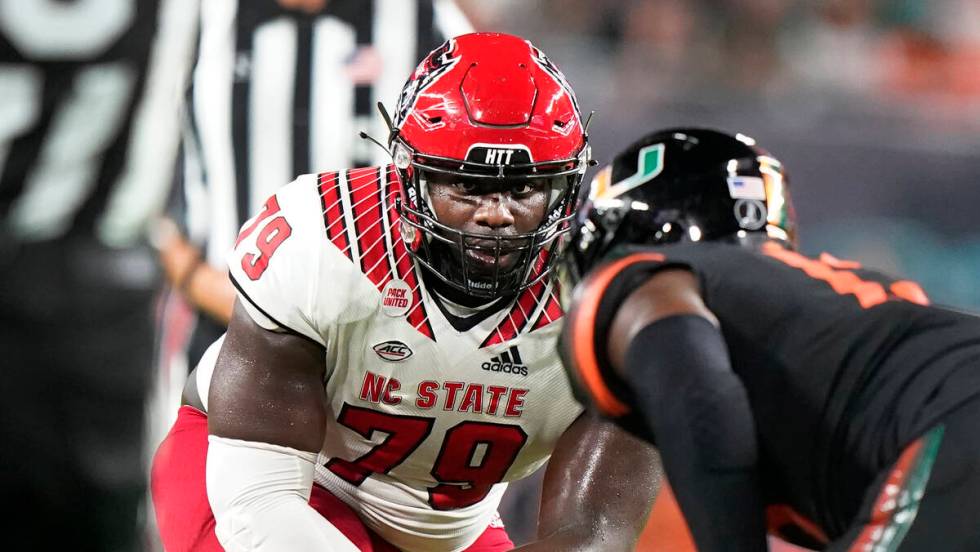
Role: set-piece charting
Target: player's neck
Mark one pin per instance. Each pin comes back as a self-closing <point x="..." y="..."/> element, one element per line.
<point x="462" y="311"/>
<point x="455" y="296"/>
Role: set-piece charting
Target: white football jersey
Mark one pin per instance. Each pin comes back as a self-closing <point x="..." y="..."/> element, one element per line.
<point x="426" y="423"/>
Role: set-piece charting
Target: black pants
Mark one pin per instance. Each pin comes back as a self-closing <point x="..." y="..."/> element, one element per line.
<point x="930" y="499"/>
<point x="76" y="344"/>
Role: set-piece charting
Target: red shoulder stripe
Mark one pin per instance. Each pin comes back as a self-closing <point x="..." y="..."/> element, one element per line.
<point x="367" y="202"/>
<point x="404" y="267"/>
<point x="518" y="317"/>
<point x="520" y="314"/>
<point x="333" y="212"/>
<point x="552" y="309"/>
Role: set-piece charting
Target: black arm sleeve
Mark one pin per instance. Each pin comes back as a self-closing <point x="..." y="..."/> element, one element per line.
<point x="685" y="394"/>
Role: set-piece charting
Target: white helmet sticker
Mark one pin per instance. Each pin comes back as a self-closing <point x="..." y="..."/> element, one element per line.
<point x="746" y="187"/>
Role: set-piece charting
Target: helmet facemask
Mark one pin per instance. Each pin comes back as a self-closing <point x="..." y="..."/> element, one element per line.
<point x="487" y="110"/>
<point x="485" y="265"/>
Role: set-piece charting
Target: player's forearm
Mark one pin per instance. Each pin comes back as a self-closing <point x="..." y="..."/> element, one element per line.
<point x="267" y="419"/>
<point x="211" y="291"/>
<point x="586" y="535"/>
<point x="598" y="489"/>
<point x="260" y="497"/>
<point x="689" y="399"/>
<point x="204" y="286"/>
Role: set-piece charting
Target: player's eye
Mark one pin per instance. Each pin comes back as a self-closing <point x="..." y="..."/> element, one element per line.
<point x="466" y="187"/>
<point x="523" y="188"/>
<point x="527" y="187"/>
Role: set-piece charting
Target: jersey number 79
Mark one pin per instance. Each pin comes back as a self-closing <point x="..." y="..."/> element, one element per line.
<point x="268" y="240"/>
<point x="474" y="455"/>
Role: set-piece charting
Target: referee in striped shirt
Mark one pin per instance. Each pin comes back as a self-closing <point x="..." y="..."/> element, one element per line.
<point x="88" y="97"/>
<point x="281" y="88"/>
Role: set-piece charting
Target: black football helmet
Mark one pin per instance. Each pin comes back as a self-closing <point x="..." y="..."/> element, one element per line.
<point x="683" y="184"/>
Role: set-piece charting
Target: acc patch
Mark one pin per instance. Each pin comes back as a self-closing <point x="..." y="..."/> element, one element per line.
<point x="392" y="351"/>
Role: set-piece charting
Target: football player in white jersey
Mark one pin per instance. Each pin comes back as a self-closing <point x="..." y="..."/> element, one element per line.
<point x="391" y="361"/>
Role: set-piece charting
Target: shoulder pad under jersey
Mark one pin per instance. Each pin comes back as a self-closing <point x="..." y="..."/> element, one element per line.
<point x="288" y="273"/>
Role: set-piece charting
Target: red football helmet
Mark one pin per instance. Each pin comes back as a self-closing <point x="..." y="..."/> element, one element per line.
<point x="493" y="108"/>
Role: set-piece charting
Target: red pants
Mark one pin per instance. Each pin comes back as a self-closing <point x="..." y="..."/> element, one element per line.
<point x="184" y="517"/>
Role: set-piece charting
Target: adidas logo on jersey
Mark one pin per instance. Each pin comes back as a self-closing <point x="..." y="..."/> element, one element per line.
<point x="508" y="362"/>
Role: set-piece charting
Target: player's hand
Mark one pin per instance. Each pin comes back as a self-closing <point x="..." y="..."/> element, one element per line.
<point x="177" y="256"/>
<point x="206" y="287"/>
<point x="308" y="6"/>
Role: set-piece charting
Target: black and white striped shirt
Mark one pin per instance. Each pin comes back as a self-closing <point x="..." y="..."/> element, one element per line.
<point x="88" y="96"/>
<point x="278" y="93"/>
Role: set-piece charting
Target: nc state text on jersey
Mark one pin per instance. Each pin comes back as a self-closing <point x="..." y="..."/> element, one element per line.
<point x="494" y="400"/>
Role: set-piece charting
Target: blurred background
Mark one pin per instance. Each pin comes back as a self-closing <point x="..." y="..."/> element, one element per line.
<point x="873" y="105"/>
